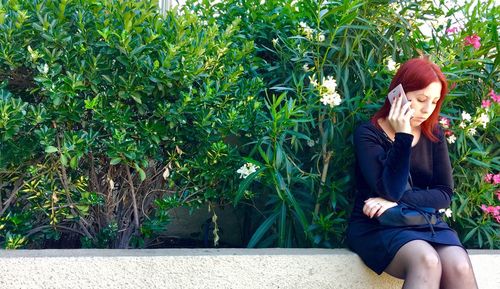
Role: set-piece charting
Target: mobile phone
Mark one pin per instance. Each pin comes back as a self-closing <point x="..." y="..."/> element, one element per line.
<point x="398" y="90"/>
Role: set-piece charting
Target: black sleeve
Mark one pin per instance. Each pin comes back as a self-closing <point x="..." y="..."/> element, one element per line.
<point x="438" y="195"/>
<point x="386" y="172"/>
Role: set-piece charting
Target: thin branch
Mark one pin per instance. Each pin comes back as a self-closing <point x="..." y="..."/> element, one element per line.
<point x="134" y="202"/>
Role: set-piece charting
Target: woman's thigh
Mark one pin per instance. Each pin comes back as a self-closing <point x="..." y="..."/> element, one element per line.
<point x="413" y="253"/>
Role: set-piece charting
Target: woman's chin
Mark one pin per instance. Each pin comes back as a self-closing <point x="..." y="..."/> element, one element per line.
<point x="417" y="121"/>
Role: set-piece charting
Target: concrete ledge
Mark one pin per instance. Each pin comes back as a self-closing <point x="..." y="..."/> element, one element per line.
<point x="207" y="268"/>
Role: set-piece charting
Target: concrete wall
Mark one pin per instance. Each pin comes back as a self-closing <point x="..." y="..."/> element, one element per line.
<point x="207" y="268"/>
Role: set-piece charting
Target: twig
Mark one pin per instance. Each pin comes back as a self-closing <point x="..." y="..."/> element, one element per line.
<point x="17" y="187"/>
<point x="326" y="163"/>
<point x="134" y="202"/>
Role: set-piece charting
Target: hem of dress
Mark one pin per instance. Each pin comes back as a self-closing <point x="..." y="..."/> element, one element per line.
<point x="391" y="256"/>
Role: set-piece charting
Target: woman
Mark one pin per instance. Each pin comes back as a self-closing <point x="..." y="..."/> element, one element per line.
<point x="402" y="157"/>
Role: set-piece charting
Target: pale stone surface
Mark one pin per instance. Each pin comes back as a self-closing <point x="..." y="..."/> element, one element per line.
<point x="207" y="268"/>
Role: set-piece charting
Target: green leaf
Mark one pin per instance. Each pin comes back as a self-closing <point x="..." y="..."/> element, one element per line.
<point x="297" y="134"/>
<point x="115" y="161"/>
<point x="263" y="228"/>
<point x="136" y="97"/>
<point x="141" y="172"/>
<point x="50" y="149"/>
<point x="470" y="234"/>
<point x="64" y="160"/>
<point x="298" y="210"/>
<point x="73" y="162"/>
<point x="107" y="78"/>
<point x="282" y="227"/>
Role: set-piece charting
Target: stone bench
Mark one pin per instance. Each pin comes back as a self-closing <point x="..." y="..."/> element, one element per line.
<point x="207" y="268"/>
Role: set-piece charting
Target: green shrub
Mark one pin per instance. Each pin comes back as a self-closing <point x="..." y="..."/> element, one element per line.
<point x="112" y="115"/>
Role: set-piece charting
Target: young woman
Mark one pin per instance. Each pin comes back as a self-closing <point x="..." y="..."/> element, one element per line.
<point x="402" y="157"/>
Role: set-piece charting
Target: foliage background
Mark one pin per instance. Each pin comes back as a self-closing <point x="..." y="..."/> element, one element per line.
<point x="111" y="115"/>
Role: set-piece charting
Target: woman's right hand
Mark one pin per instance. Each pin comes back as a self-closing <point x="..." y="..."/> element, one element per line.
<point x="400" y="115"/>
<point x="374" y="207"/>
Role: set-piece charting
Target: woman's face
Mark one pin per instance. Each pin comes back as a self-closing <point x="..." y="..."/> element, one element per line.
<point x="424" y="102"/>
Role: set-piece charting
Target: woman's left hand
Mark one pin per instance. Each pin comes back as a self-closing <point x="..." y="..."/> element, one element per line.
<point x="374" y="207"/>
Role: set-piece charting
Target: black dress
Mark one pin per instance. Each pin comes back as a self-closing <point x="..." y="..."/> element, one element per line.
<point x="383" y="169"/>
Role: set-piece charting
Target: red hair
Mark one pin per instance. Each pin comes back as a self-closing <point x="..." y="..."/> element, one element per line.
<point x="416" y="74"/>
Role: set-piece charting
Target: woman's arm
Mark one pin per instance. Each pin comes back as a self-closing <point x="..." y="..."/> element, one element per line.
<point x="439" y="193"/>
<point x="385" y="172"/>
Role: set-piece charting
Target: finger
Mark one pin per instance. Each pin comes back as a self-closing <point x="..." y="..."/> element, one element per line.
<point x="368" y="209"/>
<point x="371" y="202"/>
<point x="405" y="107"/>
<point x="374" y="210"/>
<point x="409" y="115"/>
<point x="397" y="106"/>
<point x="407" y="110"/>
<point x="381" y="211"/>
<point x="385" y="207"/>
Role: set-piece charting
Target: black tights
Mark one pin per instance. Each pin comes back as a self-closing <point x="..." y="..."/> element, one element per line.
<point x="423" y="266"/>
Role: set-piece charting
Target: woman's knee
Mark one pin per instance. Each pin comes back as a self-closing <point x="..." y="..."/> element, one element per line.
<point x="428" y="260"/>
<point x="460" y="268"/>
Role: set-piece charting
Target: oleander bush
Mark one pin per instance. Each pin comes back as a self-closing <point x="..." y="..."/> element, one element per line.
<point x="326" y="66"/>
<point x="111" y="114"/>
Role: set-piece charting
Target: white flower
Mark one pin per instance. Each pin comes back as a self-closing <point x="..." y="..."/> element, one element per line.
<point x="462" y="125"/>
<point x="444" y="122"/>
<point x="451" y="139"/>
<point x="321" y="37"/>
<point x="396" y="6"/>
<point x="305" y="67"/>
<point x="310" y="143"/>
<point x="391" y="64"/>
<point x="330" y="84"/>
<point x="331" y="99"/>
<point x="306" y="30"/>
<point x="472" y="131"/>
<point x="246" y="170"/>
<point x="336" y="99"/>
<point x="328" y="94"/>
<point x="483" y="119"/>
<point x="466" y="116"/>
<point x="447" y="212"/>
<point x="309" y="33"/>
<point x="275" y="41"/>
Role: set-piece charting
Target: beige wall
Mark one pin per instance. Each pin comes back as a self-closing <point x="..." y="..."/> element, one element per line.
<point x="206" y="268"/>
